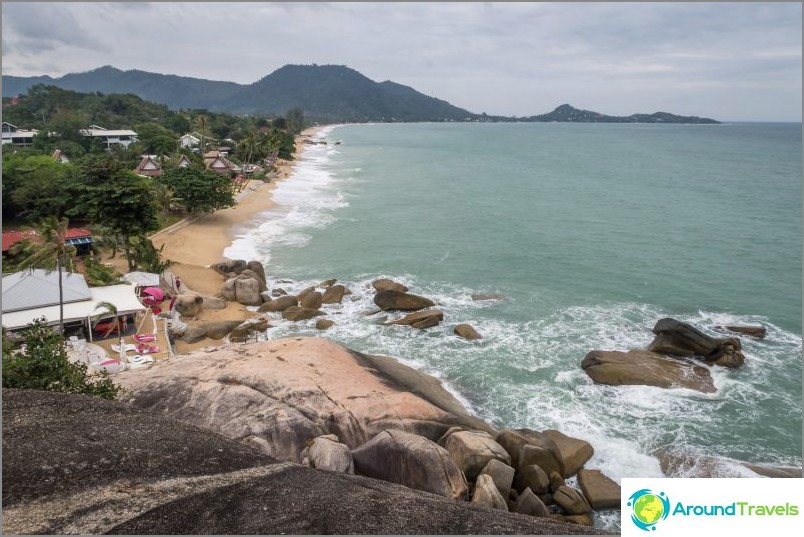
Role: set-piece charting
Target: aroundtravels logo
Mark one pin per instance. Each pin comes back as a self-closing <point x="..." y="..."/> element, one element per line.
<point x="647" y="508"/>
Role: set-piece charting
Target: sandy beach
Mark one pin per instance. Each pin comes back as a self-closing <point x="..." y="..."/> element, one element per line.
<point x="196" y="242"/>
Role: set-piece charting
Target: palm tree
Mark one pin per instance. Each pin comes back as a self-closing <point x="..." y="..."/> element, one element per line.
<point x="202" y="127"/>
<point x="109" y="309"/>
<point x="50" y="248"/>
<point x="165" y="197"/>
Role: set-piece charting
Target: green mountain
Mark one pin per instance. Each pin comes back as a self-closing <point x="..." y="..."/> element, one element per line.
<point x="338" y="93"/>
<point x="566" y="113"/>
<point x="325" y="93"/>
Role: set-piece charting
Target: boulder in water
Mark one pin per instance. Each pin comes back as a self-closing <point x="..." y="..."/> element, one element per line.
<point x="420" y="319"/>
<point x="397" y="300"/>
<point x="601" y="491"/>
<point x="298" y="313"/>
<point x="384" y="284"/>
<point x="646" y="368"/>
<point x="466" y="331"/>
<point x="311" y="300"/>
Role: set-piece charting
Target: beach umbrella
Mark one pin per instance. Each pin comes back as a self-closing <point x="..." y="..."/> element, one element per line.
<point x="153" y="296"/>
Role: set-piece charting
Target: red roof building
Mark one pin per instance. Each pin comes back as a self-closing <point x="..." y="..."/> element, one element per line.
<point x="148" y="167"/>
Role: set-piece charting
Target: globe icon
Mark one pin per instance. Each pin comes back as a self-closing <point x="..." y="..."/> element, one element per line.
<point x="648" y="509"/>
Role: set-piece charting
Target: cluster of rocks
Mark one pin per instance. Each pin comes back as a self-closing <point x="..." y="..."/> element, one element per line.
<point x="521" y="470"/>
<point x="673" y="358"/>
<point x="393" y="296"/>
<point x="74" y="464"/>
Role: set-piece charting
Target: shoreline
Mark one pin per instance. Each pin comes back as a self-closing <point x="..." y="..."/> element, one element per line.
<point x="194" y="244"/>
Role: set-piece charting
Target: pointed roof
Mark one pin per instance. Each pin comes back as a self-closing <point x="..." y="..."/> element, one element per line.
<point x="35" y="288"/>
<point x="148" y="167"/>
<point x="184" y="161"/>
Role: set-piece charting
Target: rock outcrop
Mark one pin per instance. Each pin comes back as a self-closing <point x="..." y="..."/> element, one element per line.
<point x="413" y="461"/>
<point x="312" y="300"/>
<point x="243" y="289"/>
<point x="421" y="319"/>
<point x="681" y="339"/>
<point x="288" y="391"/>
<point x="326" y="453"/>
<point x="82" y="465"/>
<point x="299" y="313"/>
<point x="472" y="450"/>
<point x="487" y="495"/>
<point x="601" y="491"/>
<point x="646" y="368"/>
<point x="189" y="305"/>
<point x="280" y="303"/>
<point x="574" y="451"/>
<point x="758" y="331"/>
<point x="333" y="294"/>
<point x="397" y="300"/>
<point x="466" y="331"/>
<point x="384" y="284"/>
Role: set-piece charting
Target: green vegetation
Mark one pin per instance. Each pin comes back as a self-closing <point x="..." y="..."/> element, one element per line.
<point x="199" y="189"/>
<point x="41" y="364"/>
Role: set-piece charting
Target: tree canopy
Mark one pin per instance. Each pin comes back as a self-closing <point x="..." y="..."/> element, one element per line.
<point x="200" y="190"/>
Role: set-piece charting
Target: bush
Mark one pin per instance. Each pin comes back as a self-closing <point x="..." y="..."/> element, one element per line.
<point x="41" y="364"/>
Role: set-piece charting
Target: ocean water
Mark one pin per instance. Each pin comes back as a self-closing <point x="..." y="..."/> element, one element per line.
<point x="592" y="232"/>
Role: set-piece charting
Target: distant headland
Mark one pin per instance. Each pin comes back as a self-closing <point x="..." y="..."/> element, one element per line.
<point x="326" y="93"/>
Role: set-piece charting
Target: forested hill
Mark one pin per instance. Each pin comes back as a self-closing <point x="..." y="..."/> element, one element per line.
<point x="568" y="114"/>
<point x="324" y="92"/>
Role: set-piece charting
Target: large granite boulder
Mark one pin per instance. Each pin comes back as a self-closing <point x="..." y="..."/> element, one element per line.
<point x="213" y="302"/>
<point x="501" y="474"/>
<point x="532" y="477"/>
<point x="572" y="500"/>
<point x="487" y="495"/>
<point x="397" y="300"/>
<point x="189" y="305"/>
<point x="757" y="331"/>
<point x="260" y="279"/>
<point x="472" y="450"/>
<point x="548" y="457"/>
<point x="420" y="319"/>
<point x="280" y="303"/>
<point x="681" y="339"/>
<point x="646" y="368"/>
<point x="312" y="300"/>
<point x="323" y="324"/>
<point x="574" y="451"/>
<point x="242" y="289"/>
<point x="327" y="453"/>
<point x="193" y="334"/>
<point x="257" y="268"/>
<point x="333" y="294"/>
<point x="288" y="391"/>
<point x="298" y="313"/>
<point x="601" y="491"/>
<point x="227" y="266"/>
<point x="527" y="503"/>
<point x="385" y="284"/>
<point x="102" y="467"/>
<point x="413" y="461"/>
<point x="220" y="329"/>
<point x="466" y="331"/>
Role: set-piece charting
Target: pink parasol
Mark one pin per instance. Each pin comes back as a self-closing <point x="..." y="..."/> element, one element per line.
<point x="151" y="296"/>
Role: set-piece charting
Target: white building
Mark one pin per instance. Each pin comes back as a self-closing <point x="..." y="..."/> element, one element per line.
<point x="111" y="138"/>
<point x="188" y="140"/>
<point x="14" y="135"/>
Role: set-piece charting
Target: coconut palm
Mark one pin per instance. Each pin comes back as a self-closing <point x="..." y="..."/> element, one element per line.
<point x="49" y="248"/>
<point x="108" y="309"/>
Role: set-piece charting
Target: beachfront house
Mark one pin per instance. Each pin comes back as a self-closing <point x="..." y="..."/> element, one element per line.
<point x="111" y="138"/>
<point x="214" y="161"/>
<point x="148" y="167"/>
<point x="15" y="136"/>
<point x="34" y="293"/>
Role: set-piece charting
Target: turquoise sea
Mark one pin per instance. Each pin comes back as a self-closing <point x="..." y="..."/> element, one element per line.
<point x="592" y="232"/>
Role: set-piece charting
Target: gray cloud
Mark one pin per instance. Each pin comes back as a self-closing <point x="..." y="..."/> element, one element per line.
<point x="726" y="60"/>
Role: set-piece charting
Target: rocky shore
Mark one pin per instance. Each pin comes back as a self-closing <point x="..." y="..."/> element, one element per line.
<point x="106" y="467"/>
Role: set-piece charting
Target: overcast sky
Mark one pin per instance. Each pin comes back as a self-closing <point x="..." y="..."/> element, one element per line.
<point x="729" y="61"/>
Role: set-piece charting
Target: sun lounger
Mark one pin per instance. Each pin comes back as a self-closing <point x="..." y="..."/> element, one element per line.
<point x="147" y="349"/>
<point x="144" y="338"/>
